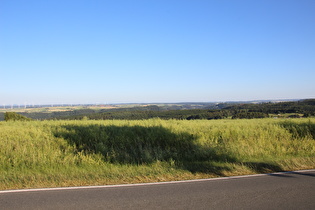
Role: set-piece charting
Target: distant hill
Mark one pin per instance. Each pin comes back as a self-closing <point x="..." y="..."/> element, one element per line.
<point x="302" y="108"/>
<point x="189" y="111"/>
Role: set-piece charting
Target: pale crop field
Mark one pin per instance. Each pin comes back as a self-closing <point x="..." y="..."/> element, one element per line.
<point x="74" y="153"/>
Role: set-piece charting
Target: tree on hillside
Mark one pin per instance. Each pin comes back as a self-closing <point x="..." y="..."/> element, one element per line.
<point x="13" y="116"/>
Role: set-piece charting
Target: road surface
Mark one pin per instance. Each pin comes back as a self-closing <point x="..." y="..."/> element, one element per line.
<point x="291" y="190"/>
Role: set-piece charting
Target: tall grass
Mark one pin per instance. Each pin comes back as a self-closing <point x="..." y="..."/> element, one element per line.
<point x="67" y="153"/>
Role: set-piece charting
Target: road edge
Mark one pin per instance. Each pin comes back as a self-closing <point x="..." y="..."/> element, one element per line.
<point x="150" y="183"/>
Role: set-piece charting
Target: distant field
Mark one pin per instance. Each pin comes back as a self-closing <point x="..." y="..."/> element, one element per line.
<point x="50" y="109"/>
<point x="48" y="112"/>
<point x="90" y="152"/>
<point x="54" y="109"/>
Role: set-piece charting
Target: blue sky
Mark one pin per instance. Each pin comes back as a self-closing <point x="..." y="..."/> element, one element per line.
<point x="130" y="51"/>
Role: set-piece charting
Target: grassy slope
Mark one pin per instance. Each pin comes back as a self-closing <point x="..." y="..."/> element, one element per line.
<point x="71" y="153"/>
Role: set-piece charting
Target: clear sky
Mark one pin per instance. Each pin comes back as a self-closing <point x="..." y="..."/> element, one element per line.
<point x="121" y="51"/>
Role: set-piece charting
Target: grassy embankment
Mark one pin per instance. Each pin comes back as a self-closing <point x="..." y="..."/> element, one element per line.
<point x="71" y="153"/>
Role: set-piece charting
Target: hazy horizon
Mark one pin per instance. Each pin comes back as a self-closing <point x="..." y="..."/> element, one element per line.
<point x="8" y="106"/>
<point x="81" y="52"/>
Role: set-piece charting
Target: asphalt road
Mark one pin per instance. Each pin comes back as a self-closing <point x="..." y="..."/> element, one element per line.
<point x="293" y="190"/>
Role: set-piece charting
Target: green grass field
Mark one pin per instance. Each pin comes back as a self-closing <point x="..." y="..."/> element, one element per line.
<point x="74" y="153"/>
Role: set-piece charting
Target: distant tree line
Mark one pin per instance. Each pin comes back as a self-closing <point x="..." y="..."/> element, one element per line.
<point x="304" y="107"/>
<point x="220" y="111"/>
